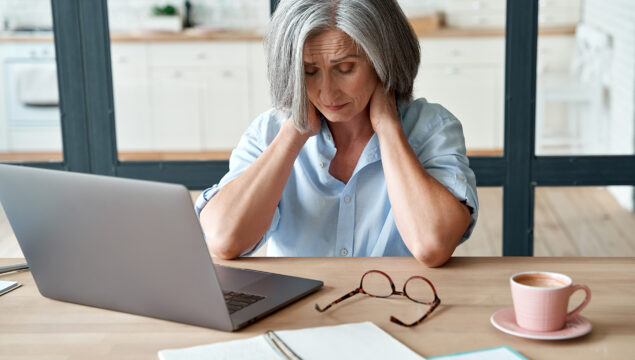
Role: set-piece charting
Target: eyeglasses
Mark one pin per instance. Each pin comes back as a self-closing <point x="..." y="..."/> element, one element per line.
<point x="378" y="284"/>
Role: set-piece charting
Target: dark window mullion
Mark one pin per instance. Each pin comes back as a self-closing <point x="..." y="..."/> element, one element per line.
<point x="584" y="170"/>
<point x="68" y="53"/>
<point x="520" y="92"/>
<point x="193" y="174"/>
<point x="489" y="170"/>
<point x="97" y="74"/>
<point x="82" y="46"/>
<point x="272" y="5"/>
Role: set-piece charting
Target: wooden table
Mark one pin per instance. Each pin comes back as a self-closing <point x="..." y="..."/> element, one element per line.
<point x="471" y="289"/>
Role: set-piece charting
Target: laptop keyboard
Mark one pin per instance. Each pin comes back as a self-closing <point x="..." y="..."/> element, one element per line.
<point x="236" y="300"/>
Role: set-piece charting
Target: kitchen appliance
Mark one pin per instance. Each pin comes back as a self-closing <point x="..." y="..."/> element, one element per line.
<point x="31" y="99"/>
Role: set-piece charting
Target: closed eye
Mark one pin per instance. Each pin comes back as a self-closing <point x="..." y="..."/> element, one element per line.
<point x="345" y="68"/>
<point x="310" y="70"/>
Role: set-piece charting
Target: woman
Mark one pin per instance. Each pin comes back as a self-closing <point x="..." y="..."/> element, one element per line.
<point x="345" y="164"/>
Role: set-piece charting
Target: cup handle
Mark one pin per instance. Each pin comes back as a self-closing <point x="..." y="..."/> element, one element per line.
<point x="573" y="313"/>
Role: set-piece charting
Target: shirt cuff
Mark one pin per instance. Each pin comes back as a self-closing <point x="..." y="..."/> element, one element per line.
<point x="204" y="198"/>
<point x="464" y="192"/>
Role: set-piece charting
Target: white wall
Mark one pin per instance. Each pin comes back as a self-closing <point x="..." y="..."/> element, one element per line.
<point x="33" y="13"/>
<point x="230" y="14"/>
<point x="617" y="18"/>
<point x="128" y="14"/>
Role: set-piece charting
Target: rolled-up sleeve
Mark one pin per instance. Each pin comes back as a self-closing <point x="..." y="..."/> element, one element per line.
<point x="440" y="146"/>
<point x="251" y="145"/>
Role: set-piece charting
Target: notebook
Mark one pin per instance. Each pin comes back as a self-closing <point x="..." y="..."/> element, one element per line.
<point x="496" y="353"/>
<point x="348" y="341"/>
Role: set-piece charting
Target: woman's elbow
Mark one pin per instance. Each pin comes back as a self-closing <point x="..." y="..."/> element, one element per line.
<point x="433" y="254"/>
<point x="432" y="259"/>
<point x="224" y="249"/>
<point x="218" y="238"/>
<point x="220" y="243"/>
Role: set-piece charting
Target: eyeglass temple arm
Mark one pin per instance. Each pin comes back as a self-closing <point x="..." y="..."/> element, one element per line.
<point x="436" y="303"/>
<point x="354" y="292"/>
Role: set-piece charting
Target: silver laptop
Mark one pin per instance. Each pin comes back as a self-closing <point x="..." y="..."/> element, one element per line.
<point x="133" y="246"/>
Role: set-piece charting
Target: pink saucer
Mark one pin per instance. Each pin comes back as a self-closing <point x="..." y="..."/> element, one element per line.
<point x="505" y="321"/>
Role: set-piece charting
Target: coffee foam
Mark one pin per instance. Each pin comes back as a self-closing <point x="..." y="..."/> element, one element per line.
<point x="541" y="280"/>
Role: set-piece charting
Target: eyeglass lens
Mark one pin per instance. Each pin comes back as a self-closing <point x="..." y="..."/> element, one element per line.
<point x="419" y="290"/>
<point x="377" y="284"/>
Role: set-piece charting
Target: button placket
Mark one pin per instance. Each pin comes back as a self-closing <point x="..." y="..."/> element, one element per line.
<point x="346" y="221"/>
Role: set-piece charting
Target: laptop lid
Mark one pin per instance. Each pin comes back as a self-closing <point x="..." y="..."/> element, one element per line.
<point x="121" y="244"/>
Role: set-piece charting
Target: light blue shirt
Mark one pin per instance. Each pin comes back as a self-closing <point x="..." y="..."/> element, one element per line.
<point x="318" y="215"/>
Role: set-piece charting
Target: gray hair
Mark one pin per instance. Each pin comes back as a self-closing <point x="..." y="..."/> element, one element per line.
<point x="379" y="27"/>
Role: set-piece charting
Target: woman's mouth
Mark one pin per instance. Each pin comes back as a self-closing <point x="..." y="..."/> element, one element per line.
<point x="335" y="107"/>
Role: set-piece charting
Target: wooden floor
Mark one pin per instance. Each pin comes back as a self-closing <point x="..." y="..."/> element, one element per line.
<point x="572" y="221"/>
<point x="568" y="221"/>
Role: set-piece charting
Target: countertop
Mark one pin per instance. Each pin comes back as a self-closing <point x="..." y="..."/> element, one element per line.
<point x="193" y="35"/>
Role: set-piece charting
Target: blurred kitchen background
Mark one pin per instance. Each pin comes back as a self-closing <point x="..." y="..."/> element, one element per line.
<point x="189" y="76"/>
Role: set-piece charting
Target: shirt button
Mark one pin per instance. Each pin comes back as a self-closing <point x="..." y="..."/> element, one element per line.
<point x="321" y="164"/>
<point x="347" y="199"/>
<point x="344" y="252"/>
<point x="328" y="136"/>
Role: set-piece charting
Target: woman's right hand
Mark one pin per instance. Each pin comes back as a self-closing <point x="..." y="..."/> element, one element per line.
<point x="315" y="123"/>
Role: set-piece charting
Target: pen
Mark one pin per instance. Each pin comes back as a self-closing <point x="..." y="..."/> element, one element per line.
<point x="5" y="269"/>
<point x="280" y="346"/>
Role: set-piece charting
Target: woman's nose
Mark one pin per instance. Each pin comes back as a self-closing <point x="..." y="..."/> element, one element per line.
<point x="329" y="90"/>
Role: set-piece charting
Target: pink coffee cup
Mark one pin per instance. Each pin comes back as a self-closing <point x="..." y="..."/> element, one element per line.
<point x="541" y="300"/>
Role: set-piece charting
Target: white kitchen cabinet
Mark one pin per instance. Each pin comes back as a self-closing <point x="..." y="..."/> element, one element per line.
<point x="226" y="108"/>
<point x="199" y="96"/>
<point x="474" y="94"/>
<point x="463" y="50"/>
<point x="491" y="13"/>
<point x="35" y="138"/>
<point x="466" y="76"/>
<point x="176" y="113"/>
<point x="202" y="54"/>
<point x="259" y="94"/>
<point x="132" y="99"/>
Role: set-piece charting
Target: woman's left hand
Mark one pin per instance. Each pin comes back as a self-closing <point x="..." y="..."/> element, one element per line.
<point x="383" y="108"/>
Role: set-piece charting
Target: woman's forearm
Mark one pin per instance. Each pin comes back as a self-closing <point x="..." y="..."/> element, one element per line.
<point x="429" y="218"/>
<point x="237" y="217"/>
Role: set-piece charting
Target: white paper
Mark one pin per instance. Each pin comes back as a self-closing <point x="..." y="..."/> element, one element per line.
<point x="251" y="348"/>
<point x="6" y="286"/>
<point x="349" y="341"/>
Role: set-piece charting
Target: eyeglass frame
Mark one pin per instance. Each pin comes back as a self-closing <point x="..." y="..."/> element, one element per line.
<point x="433" y="304"/>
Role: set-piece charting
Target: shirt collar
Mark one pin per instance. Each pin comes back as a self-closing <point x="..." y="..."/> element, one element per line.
<point x="369" y="155"/>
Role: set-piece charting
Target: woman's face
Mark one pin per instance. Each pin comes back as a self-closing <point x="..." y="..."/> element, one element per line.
<point x="339" y="80"/>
